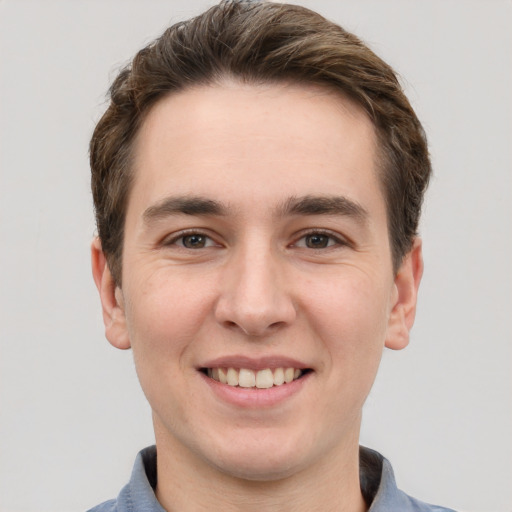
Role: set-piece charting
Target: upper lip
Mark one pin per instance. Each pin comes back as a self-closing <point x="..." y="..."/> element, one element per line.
<point x="252" y="363"/>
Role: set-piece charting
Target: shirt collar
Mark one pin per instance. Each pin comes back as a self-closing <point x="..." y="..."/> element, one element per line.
<point x="376" y="474"/>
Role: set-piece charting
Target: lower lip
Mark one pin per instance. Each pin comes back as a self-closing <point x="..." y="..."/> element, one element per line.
<point x="255" y="398"/>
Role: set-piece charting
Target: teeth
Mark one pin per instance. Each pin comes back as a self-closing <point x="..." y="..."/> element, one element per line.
<point x="223" y="375"/>
<point x="232" y="377"/>
<point x="262" y="379"/>
<point x="278" y="376"/>
<point x="246" y="378"/>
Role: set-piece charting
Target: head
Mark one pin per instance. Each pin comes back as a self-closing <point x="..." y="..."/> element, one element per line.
<point x="258" y="179"/>
<point x="259" y="43"/>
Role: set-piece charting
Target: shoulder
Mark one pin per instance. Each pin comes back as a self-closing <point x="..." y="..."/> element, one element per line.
<point x="107" y="506"/>
<point x="414" y="505"/>
<point x="380" y="489"/>
<point x="138" y="494"/>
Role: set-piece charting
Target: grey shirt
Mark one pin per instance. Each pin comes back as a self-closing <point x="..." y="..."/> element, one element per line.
<point x="376" y="475"/>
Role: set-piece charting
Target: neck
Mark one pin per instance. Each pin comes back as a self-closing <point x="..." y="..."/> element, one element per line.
<point x="189" y="484"/>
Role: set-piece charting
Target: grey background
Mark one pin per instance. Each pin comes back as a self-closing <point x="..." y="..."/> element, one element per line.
<point x="72" y="415"/>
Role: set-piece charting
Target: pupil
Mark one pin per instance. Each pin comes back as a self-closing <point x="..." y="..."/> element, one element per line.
<point x="316" y="241"/>
<point x="193" y="241"/>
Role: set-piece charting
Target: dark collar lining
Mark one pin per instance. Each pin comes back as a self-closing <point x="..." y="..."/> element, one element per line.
<point x="370" y="470"/>
<point x="370" y="473"/>
<point x="149" y="459"/>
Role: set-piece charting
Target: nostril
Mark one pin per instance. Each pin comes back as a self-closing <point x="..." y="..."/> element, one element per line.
<point x="255" y="308"/>
<point x="276" y="325"/>
<point x="252" y="328"/>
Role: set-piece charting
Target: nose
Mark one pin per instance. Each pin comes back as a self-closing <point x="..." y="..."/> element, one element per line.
<point x="255" y="296"/>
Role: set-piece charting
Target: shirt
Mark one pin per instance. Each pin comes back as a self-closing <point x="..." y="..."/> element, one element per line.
<point x="376" y="475"/>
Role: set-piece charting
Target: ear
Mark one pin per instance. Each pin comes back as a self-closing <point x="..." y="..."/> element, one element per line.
<point x="407" y="282"/>
<point x="111" y="299"/>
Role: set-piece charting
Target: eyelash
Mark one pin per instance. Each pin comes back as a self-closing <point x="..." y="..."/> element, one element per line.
<point x="338" y="241"/>
<point x="314" y="232"/>
<point x="184" y="234"/>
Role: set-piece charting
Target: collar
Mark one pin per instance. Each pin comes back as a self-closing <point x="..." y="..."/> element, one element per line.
<point x="378" y="487"/>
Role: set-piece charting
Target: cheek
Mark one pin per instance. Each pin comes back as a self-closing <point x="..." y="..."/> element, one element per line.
<point x="349" y="309"/>
<point x="163" y="320"/>
<point x="163" y="317"/>
<point x="349" y="320"/>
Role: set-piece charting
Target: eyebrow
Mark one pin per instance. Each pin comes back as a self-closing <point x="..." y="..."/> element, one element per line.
<point x="183" y="205"/>
<point x="304" y="205"/>
<point x="324" y="205"/>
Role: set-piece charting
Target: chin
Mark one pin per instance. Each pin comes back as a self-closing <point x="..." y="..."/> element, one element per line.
<point x="265" y="459"/>
<point x="259" y="470"/>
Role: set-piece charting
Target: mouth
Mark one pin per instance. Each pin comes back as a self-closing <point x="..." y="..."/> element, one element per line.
<point x="259" y="379"/>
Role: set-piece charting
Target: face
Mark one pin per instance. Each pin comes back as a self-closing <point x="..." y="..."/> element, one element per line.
<point x="258" y="290"/>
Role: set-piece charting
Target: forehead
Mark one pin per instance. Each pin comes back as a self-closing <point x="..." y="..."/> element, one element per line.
<point x="238" y="141"/>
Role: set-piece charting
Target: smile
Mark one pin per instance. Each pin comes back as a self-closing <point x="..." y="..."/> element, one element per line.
<point x="261" y="379"/>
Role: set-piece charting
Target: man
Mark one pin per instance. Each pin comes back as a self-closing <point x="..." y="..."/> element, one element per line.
<point x="258" y="179"/>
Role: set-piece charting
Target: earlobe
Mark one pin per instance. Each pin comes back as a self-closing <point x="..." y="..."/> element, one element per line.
<point x="407" y="282"/>
<point x="111" y="297"/>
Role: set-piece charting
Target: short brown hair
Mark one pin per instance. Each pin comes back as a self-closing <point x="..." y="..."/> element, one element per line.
<point x="259" y="42"/>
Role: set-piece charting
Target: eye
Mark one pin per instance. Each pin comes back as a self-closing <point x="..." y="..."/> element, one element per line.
<point x="192" y="241"/>
<point x="318" y="240"/>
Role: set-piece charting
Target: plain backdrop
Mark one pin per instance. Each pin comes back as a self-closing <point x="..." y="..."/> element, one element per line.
<point x="72" y="416"/>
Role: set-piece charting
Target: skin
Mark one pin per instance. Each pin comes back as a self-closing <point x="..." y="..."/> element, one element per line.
<point x="267" y="280"/>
